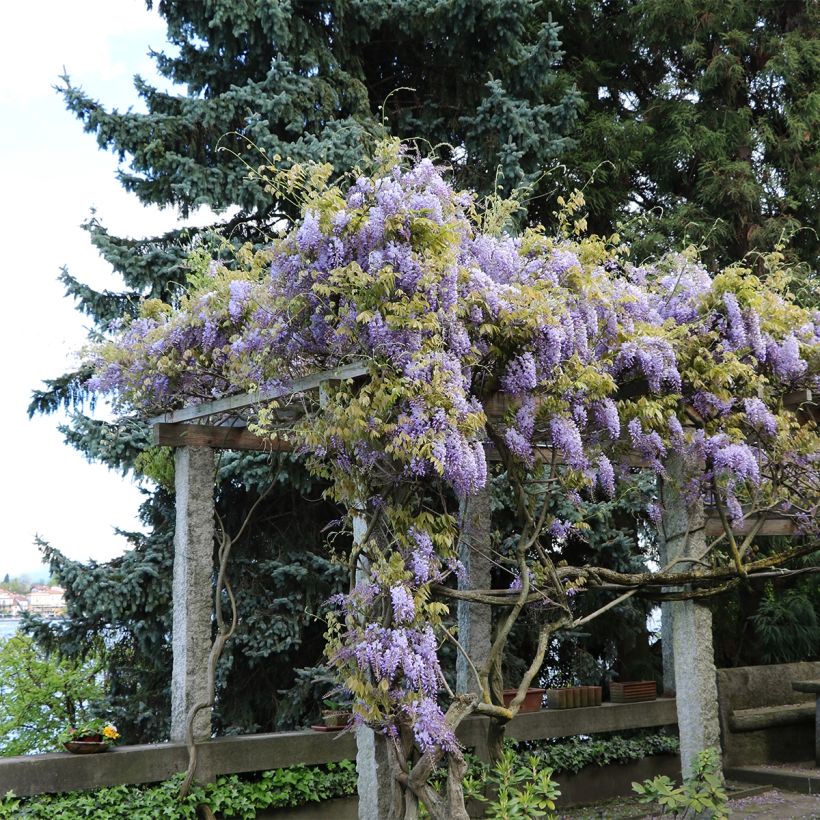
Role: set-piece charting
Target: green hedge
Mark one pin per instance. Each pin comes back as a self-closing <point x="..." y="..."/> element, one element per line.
<point x="575" y="754"/>
<point x="232" y="796"/>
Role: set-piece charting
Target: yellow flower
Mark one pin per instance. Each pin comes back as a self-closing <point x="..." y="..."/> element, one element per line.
<point x="110" y="732"/>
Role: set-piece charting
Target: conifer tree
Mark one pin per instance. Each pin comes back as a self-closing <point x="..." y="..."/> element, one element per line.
<point x="301" y="81"/>
<point x="704" y="112"/>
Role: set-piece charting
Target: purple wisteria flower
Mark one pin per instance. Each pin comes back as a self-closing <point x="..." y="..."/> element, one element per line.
<point x="760" y="416"/>
<point x="404" y="608"/>
<point x="566" y="438"/>
<point x="395" y="272"/>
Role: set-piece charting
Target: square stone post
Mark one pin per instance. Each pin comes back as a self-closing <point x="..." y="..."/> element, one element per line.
<point x="192" y="588"/>
<point x="691" y="625"/>
<point x="378" y="789"/>
<point x="667" y="655"/>
<point x="475" y="621"/>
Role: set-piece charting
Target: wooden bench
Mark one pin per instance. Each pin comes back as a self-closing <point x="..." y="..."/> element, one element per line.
<point x="766" y="717"/>
<point x="812" y="687"/>
<point x="762" y="719"/>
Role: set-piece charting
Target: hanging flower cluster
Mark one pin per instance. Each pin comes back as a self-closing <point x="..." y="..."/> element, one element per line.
<point x="551" y="344"/>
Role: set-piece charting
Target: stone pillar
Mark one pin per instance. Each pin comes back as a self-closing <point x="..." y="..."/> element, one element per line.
<point x="667" y="654"/>
<point x="691" y="627"/>
<point x="192" y="590"/>
<point x="376" y="786"/>
<point x="475" y="621"/>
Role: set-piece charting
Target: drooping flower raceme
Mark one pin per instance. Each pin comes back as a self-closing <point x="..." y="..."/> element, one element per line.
<point x="581" y="361"/>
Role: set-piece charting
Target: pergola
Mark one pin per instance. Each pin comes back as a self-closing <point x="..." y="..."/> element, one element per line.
<point x="196" y="431"/>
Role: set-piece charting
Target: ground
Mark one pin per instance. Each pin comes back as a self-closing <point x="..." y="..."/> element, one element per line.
<point x="772" y="804"/>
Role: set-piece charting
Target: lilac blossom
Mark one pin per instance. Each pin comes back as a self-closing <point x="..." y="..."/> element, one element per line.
<point x="785" y="359"/>
<point x="606" y="476"/>
<point x="650" y="445"/>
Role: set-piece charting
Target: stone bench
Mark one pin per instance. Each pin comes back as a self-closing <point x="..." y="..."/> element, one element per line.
<point x="766" y="717"/>
<point x="762" y="719"/>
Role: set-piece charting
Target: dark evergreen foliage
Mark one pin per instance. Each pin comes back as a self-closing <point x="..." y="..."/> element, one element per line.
<point x="704" y="111"/>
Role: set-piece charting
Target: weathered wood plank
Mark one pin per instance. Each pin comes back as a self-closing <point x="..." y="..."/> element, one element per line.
<point x="241" y="401"/>
<point x="219" y="438"/>
<point x="770" y="527"/>
<point x="797" y="398"/>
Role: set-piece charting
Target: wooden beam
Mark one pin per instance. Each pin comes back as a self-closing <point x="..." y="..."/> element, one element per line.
<point x="770" y="527"/>
<point x="544" y="453"/>
<point x="219" y="438"/>
<point x="797" y="398"/>
<point x="241" y="401"/>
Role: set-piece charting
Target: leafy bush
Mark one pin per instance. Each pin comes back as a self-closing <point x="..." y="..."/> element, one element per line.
<point x="786" y="627"/>
<point x="574" y="754"/>
<point x="41" y="694"/>
<point x="521" y="787"/>
<point x="702" y="792"/>
<point x="233" y="796"/>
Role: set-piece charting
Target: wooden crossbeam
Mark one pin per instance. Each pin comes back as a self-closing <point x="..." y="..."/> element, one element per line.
<point x="770" y="527"/>
<point x="241" y="401"/>
<point x="797" y="398"/>
<point x="219" y="438"/>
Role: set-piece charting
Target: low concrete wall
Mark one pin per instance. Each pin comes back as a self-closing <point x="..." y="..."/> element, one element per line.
<point x="596" y="783"/>
<point x="341" y="808"/>
<point x="610" y="717"/>
<point x="62" y="772"/>
<point x="591" y="785"/>
<point x="758" y="687"/>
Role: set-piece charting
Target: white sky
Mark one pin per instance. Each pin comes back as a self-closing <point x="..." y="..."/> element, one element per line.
<point x="51" y="175"/>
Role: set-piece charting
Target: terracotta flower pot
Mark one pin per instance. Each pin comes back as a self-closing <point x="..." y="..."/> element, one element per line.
<point x="557" y="698"/>
<point x="85" y="747"/>
<point x="633" y="691"/>
<point x="531" y="702"/>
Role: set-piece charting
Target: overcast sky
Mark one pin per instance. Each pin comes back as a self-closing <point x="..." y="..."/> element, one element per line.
<point x="52" y="174"/>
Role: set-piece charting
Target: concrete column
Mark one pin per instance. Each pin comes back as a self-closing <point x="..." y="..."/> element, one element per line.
<point x="376" y="786"/>
<point x="193" y="593"/>
<point x="667" y="654"/>
<point x="691" y="627"/>
<point x="475" y="621"/>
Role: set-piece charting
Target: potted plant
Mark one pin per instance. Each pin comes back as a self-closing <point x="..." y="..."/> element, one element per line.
<point x="88" y="736"/>
<point x="337" y="714"/>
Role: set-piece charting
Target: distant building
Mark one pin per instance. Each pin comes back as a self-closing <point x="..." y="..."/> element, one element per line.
<point x="45" y="600"/>
<point x="8" y="603"/>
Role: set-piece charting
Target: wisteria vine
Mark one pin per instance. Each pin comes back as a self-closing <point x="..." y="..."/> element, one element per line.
<point x="552" y="349"/>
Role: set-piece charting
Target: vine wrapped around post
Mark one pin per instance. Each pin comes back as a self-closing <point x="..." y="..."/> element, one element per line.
<point x="555" y="354"/>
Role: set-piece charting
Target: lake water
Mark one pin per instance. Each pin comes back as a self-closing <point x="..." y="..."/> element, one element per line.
<point x="8" y="626"/>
